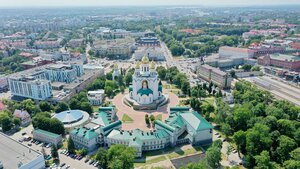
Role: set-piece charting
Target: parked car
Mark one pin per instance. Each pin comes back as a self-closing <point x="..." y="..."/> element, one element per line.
<point x="48" y="145"/>
<point x="63" y="164"/>
<point x="29" y="144"/>
<point x="86" y="160"/>
<point x="24" y="133"/>
<point x="91" y="162"/>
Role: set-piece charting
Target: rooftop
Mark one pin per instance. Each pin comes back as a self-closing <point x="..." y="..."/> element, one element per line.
<point x="47" y="133"/>
<point x="285" y="57"/>
<point x="13" y="152"/>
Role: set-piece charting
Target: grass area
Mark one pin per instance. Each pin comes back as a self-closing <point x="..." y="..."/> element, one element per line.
<point x="210" y="100"/>
<point x="65" y="145"/>
<point x="151" y="161"/>
<point x="127" y="119"/>
<point x="186" y="152"/>
<point x="95" y="108"/>
<point x="158" y="117"/>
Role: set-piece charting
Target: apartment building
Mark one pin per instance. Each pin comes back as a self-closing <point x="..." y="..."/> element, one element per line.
<point x="30" y="87"/>
<point x="215" y="75"/>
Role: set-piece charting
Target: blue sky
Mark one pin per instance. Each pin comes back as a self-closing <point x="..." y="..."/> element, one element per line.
<point x="144" y="2"/>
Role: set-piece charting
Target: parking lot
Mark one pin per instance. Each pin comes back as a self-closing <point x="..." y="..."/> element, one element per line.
<point x="69" y="161"/>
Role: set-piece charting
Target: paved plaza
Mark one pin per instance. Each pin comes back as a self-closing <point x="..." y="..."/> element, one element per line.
<point x="138" y="116"/>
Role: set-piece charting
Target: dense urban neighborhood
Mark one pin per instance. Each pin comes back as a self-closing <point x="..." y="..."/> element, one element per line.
<point x="150" y="87"/>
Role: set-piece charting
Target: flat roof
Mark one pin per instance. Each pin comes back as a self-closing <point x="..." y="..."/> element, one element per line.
<point x="285" y="57"/>
<point x="12" y="152"/>
<point x="47" y="133"/>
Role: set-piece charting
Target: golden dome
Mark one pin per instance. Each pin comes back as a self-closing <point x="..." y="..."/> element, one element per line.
<point x="152" y="66"/>
<point x="138" y="64"/>
<point x="145" y="59"/>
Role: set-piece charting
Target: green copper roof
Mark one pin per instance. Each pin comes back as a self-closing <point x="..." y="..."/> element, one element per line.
<point x="87" y="134"/>
<point x="130" y="88"/>
<point x="47" y="133"/>
<point x="102" y="118"/>
<point x="196" y="121"/>
<point x="164" y="125"/>
<point x="112" y="125"/>
<point x="105" y="108"/>
<point x="160" y="88"/>
<point x="145" y="92"/>
<point x="135" y="142"/>
<point x="175" y="122"/>
<point x="179" y="108"/>
<point x="137" y="133"/>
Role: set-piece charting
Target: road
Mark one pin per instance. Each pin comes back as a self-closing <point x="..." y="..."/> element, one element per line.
<point x="279" y="89"/>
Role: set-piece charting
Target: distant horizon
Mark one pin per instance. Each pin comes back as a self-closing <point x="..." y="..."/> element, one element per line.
<point x="137" y="3"/>
<point x="126" y="6"/>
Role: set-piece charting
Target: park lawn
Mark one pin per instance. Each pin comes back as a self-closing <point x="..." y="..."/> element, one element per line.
<point x="158" y="117"/>
<point x="95" y="108"/>
<point x="186" y="152"/>
<point x="127" y="119"/>
<point x="210" y="100"/>
<point x="151" y="161"/>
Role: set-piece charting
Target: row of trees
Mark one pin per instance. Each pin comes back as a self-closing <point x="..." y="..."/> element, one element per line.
<point x="173" y="76"/>
<point x="117" y="157"/>
<point x="265" y="130"/>
<point x="211" y="160"/>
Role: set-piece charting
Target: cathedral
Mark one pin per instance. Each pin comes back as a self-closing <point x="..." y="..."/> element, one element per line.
<point x="146" y="88"/>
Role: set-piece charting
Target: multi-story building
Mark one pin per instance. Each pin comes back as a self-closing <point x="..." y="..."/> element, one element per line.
<point x="154" y="53"/>
<point x="47" y="44"/>
<point x="74" y="43"/>
<point x="289" y="62"/>
<point x="215" y="75"/>
<point x="226" y="52"/>
<point x="96" y="97"/>
<point x="182" y="126"/>
<point x="30" y="87"/>
<point x="47" y="137"/>
<point x="64" y="72"/>
<point x="117" y="47"/>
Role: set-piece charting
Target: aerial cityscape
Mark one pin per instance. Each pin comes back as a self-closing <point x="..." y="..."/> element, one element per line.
<point x="156" y="84"/>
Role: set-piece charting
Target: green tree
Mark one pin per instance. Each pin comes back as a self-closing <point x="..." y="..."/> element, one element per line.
<point x="121" y="156"/>
<point x="239" y="138"/>
<point x="226" y="129"/>
<point x="6" y="122"/>
<point x="61" y="106"/>
<point x="128" y="78"/>
<point x="101" y="157"/>
<point x="54" y="152"/>
<point x="213" y="156"/>
<point x="71" y="145"/>
<point x="74" y="104"/>
<point x="263" y="161"/>
<point x="86" y="106"/>
<point x="45" y="106"/>
<point x="286" y="145"/>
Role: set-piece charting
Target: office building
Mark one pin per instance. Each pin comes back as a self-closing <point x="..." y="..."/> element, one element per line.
<point x="289" y="62"/>
<point x="30" y="87"/>
<point x="215" y="75"/>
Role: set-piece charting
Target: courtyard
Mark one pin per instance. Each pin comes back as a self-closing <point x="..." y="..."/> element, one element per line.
<point x="138" y="116"/>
